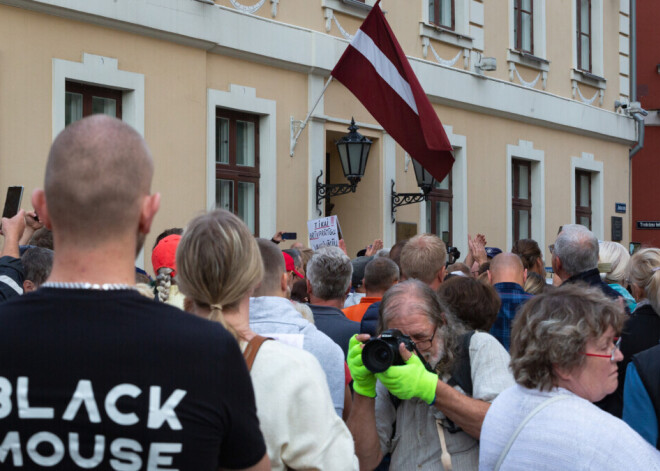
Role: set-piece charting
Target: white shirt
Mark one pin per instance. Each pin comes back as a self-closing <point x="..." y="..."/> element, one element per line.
<point x="568" y="434"/>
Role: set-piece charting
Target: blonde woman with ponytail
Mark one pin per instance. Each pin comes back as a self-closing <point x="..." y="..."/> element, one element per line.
<point x="219" y="265"/>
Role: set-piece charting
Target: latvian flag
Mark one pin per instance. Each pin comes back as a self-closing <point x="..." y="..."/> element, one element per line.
<point x="375" y="69"/>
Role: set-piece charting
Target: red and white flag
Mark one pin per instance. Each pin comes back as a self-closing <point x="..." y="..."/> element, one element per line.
<point x="377" y="71"/>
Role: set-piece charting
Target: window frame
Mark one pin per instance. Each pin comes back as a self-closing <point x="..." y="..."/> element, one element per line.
<point x="232" y="171"/>
<point x="438" y="195"/>
<point x="518" y="13"/>
<point x="89" y="91"/>
<point x="580" y="33"/>
<point x="436" y="15"/>
<point x="518" y="203"/>
<point x="583" y="211"/>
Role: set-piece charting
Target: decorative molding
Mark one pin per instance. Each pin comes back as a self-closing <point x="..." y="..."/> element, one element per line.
<point x="513" y="70"/>
<point x="426" y="44"/>
<point x="329" y="17"/>
<point x="248" y="9"/>
<point x="580" y="77"/>
<point x="350" y="7"/>
<point x="273" y="7"/>
<point x="446" y="36"/>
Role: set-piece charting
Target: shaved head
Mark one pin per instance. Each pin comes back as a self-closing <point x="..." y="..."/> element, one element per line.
<point x="507" y="268"/>
<point x="98" y="171"/>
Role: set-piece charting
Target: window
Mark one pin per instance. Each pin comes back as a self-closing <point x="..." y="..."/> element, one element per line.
<point x="439" y="210"/>
<point x="84" y="100"/>
<point x="441" y="13"/>
<point x="584" y="35"/>
<point x="583" y="198"/>
<point x="523" y="25"/>
<point x="522" y="199"/>
<point x="237" y="165"/>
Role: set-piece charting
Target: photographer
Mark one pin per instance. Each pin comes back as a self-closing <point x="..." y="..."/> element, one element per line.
<point x="393" y="415"/>
<point x="11" y="268"/>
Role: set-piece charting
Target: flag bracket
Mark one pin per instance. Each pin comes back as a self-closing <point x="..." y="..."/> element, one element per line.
<point x="328" y="190"/>
<point x="401" y="199"/>
<point x="297" y="126"/>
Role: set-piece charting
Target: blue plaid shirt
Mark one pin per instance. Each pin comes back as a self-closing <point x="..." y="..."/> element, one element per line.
<point x="513" y="296"/>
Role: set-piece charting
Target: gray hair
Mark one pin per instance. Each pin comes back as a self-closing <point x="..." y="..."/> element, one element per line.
<point x="37" y="264"/>
<point x="552" y="329"/>
<point x="415" y="296"/>
<point x="329" y="273"/>
<point x="577" y="248"/>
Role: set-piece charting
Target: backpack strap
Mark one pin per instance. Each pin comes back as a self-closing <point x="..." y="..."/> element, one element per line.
<point x="253" y="346"/>
<point x="461" y="374"/>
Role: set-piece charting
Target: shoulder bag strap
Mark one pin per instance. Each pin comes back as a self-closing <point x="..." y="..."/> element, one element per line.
<point x="535" y="411"/>
<point x="252" y="348"/>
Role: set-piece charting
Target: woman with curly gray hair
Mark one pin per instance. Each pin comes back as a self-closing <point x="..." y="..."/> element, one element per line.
<point x="564" y="354"/>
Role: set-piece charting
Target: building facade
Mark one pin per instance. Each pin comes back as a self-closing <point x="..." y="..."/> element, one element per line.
<point x="219" y="89"/>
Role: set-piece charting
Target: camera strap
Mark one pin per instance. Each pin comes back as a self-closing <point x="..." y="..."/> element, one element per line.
<point x="252" y="348"/>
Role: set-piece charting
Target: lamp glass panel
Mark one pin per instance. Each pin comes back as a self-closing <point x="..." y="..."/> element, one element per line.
<point x="365" y="156"/>
<point x="244" y="143"/>
<point x="343" y="157"/>
<point x="354" y="157"/>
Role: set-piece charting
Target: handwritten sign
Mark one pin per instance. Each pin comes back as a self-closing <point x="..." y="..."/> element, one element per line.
<point x="323" y="231"/>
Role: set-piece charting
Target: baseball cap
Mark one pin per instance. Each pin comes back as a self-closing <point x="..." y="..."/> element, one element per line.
<point x="492" y="251"/>
<point x="290" y="266"/>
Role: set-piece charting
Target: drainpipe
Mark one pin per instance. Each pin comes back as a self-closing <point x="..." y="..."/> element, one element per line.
<point x="635" y="113"/>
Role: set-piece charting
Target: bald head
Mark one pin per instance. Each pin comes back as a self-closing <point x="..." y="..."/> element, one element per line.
<point x="98" y="170"/>
<point x="507" y="268"/>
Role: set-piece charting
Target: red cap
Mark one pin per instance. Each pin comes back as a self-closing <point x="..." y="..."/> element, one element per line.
<point x="290" y="266"/>
<point x="164" y="254"/>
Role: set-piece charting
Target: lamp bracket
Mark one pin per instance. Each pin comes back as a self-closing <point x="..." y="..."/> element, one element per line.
<point x="328" y="190"/>
<point x="401" y="199"/>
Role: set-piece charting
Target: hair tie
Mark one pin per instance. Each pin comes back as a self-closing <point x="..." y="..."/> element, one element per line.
<point x="216" y="307"/>
<point x="655" y="269"/>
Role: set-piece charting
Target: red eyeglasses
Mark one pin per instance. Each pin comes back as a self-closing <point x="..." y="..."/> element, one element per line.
<point x="611" y="356"/>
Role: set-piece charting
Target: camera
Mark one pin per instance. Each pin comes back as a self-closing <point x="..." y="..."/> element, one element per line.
<point x="453" y="254"/>
<point x="380" y="353"/>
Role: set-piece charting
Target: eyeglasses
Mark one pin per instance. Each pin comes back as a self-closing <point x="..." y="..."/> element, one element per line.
<point x="617" y="346"/>
<point x="426" y="343"/>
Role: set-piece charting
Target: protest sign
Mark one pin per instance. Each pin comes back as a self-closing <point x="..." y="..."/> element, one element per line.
<point x="323" y="231"/>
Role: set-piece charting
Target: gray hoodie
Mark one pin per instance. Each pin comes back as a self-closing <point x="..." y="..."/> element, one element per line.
<point x="270" y="315"/>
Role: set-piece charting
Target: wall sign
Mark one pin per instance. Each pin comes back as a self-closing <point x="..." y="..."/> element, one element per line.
<point x="648" y="224"/>
<point x="617" y="228"/>
<point x="620" y="207"/>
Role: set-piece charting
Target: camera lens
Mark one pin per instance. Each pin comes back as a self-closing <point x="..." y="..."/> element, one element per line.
<point x="377" y="355"/>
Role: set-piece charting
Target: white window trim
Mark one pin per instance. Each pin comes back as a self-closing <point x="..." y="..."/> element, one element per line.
<point x="459" y="193"/>
<point x="539" y="59"/>
<point x="525" y="151"/>
<point x="596" y="77"/>
<point x="349" y="7"/>
<point x="244" y="99"/>
<point x="587" y="162"/>
<point x="459" y="36"/>
<point x="103" y="72"/>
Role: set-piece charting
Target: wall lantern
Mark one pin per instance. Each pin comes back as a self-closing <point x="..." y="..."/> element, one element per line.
<point x="424" y="180"/>
<point x="353" y="151"/>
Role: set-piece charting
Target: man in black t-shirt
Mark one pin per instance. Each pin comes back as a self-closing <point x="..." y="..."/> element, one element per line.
<point x="92" y="375"/>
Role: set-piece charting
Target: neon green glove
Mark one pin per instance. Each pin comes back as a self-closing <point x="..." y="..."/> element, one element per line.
<point x="410" y="380"/>
<point x="364" y="381"/>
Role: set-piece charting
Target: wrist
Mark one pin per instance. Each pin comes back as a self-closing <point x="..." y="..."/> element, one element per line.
<point x="365" y="390"/>
<point x="427" y="385"/>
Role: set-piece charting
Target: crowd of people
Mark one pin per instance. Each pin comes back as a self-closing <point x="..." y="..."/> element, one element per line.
<point x="242" y="354"/>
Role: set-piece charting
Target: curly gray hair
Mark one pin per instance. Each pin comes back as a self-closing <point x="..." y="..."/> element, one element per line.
<point x="553" y="328"/>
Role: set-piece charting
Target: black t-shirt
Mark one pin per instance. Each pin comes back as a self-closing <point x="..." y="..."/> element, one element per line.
<point x="113" y="380"/>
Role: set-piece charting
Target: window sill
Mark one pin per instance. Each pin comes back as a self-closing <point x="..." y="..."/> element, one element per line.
<point x="528" y="60"/>
<point x="349" y="7"/>
<point x="445" y="35"/>
<point x="589" y="79"/>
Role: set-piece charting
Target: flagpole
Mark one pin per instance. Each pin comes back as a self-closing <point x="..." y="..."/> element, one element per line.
<point x="294" y="140"/>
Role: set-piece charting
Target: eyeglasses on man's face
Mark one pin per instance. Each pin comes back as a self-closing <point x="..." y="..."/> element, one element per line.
<point x="424" y="343"/>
